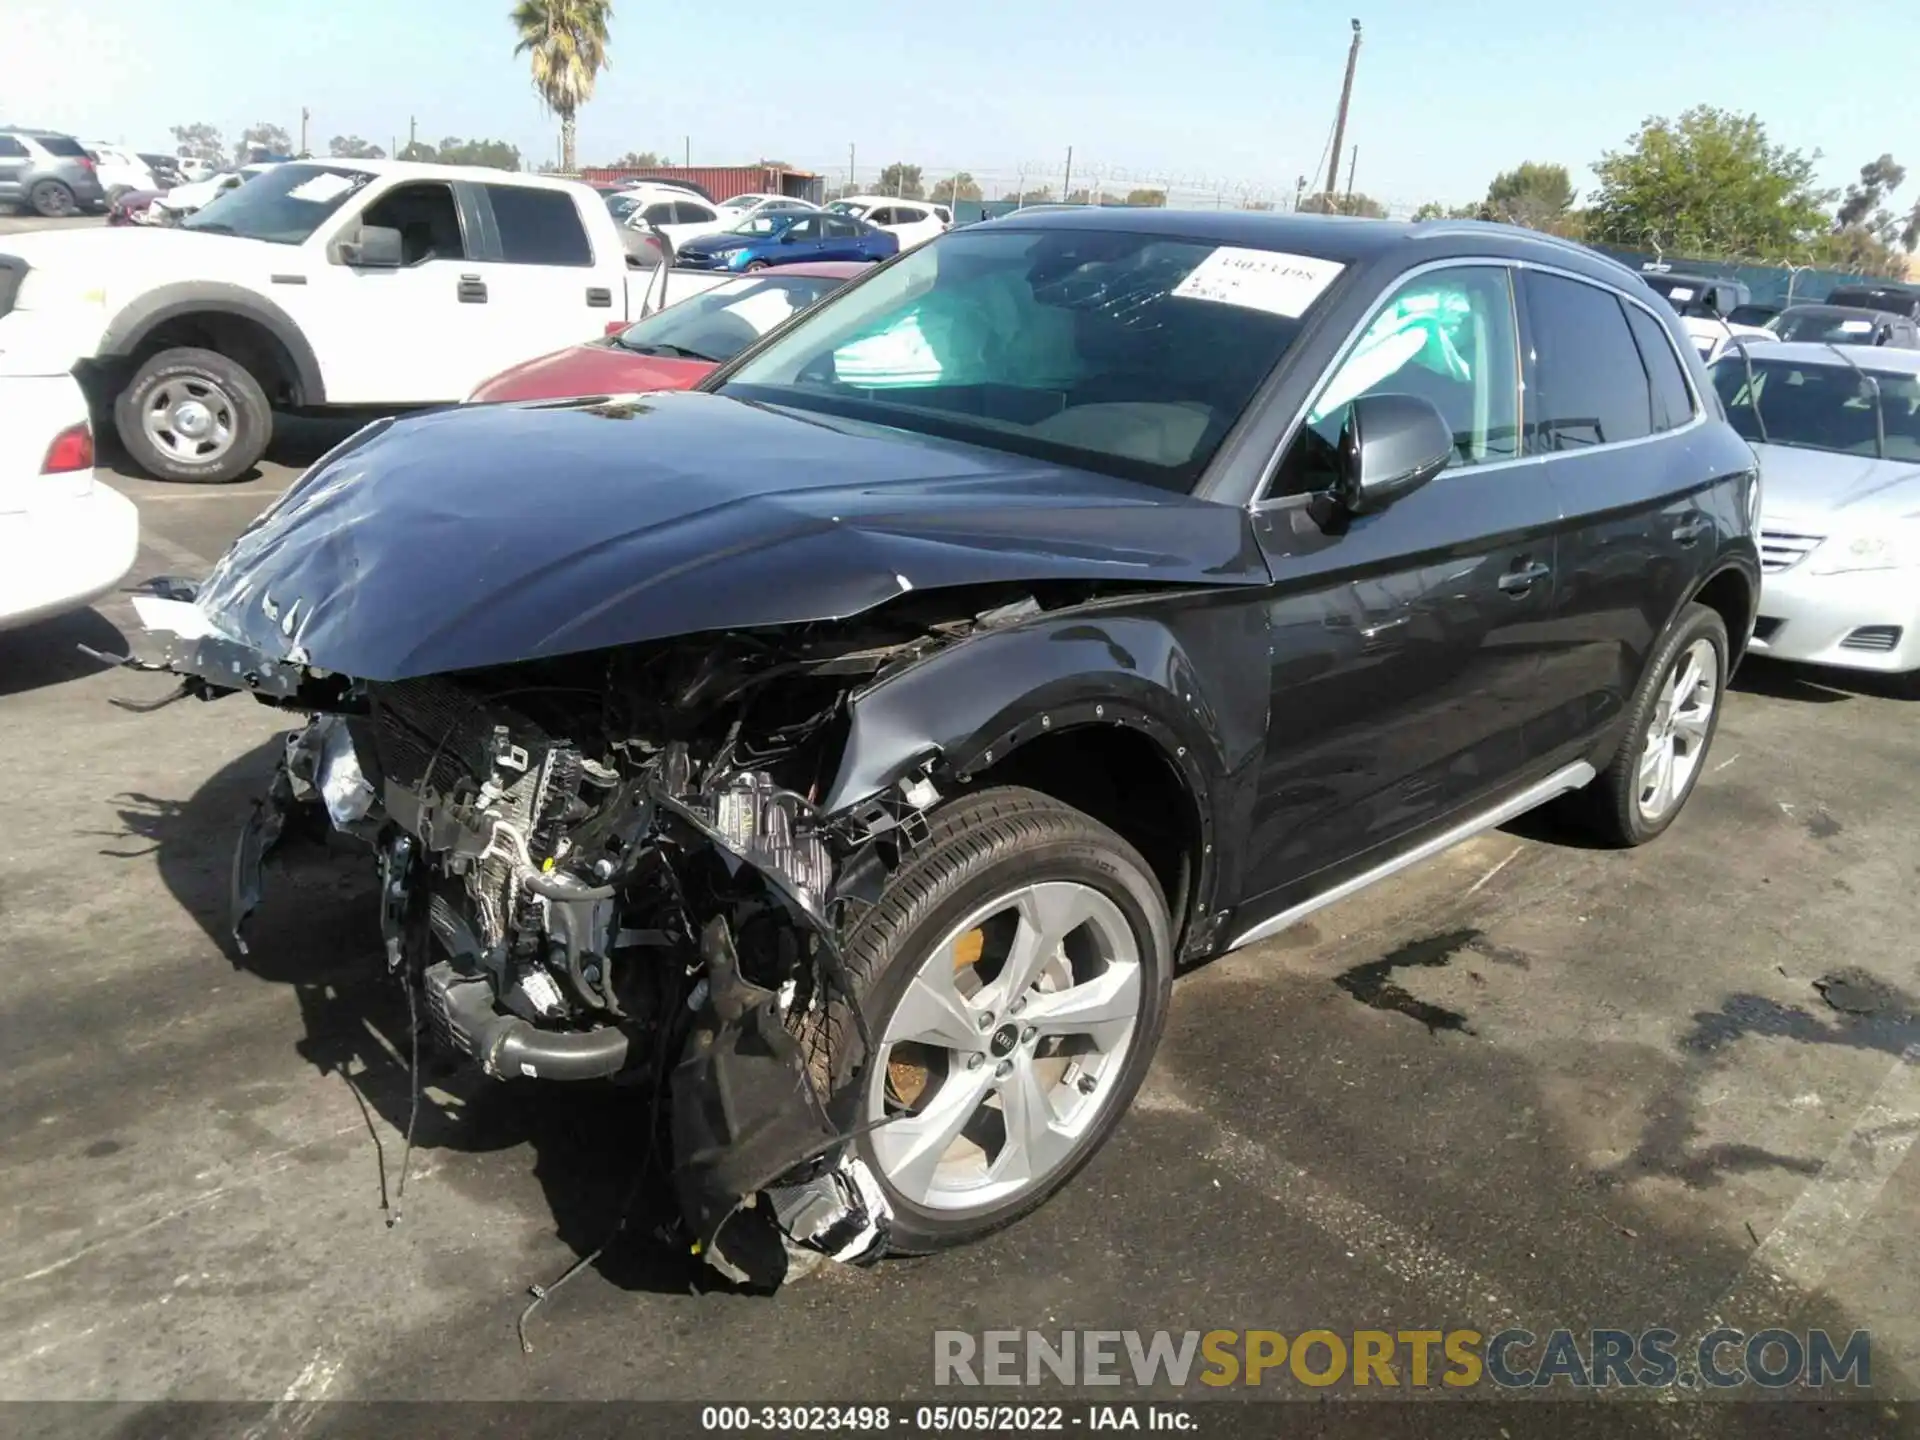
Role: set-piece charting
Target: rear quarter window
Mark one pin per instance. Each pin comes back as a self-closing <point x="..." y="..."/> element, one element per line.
<point x="1672" y="398"/>
<point x="61" y="145"/>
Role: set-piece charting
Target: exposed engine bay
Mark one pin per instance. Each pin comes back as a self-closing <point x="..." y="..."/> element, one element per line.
<point x="612" y="865"/>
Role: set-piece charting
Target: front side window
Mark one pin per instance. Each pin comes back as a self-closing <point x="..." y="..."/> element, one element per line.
<point x="1590" y="386"/>
<point x="428" y="221"/>
<point x="1822" y="407"/>
<point x="841" y="228"/>
<point x="283" y="205"/>
<point x="11" y="148"/>
<point x="1128" y="354"/>
<point x="690" y="212"/>
<point x="1446" y="336"/>
<point x="538" y="227"/>
<point x="1827" y="327"/>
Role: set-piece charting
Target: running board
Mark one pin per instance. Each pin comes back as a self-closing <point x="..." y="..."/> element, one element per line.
<point x="1572" y="777"/>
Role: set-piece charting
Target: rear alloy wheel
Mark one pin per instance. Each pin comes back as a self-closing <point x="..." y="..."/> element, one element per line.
<point x="52" y="200"/>
<point x="1669" y="729"/>
<point x="193" y="415"/>
<point x="756" y="265"/>
<point x="1015" y="979"/>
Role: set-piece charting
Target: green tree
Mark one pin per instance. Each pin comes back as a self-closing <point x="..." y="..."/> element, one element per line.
<point x="566" y="41"/>
<point x="1041" y="196"/>
<point x="1156" y="198"/>
<point x="900" y="180"/>
<point x="1432" y="210"/>
<point x="493" y="154"/>
<point x="418" y="150"/>
<point x="1079" y="197"/>
<point x="955" y="187"/>
<point x="1353" y="203"/>
<point x="1707" y="183"/>
<point x="263" y="136"/>
<point x="639" y="160"/>
<point x="1256" y="205"/>
<point x="1531" y="194"/>
<point x="352" y="147"/>
<point x="199" y="141"/>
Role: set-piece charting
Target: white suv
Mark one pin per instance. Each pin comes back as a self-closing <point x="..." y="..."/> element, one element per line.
<point x="914" y="221"/>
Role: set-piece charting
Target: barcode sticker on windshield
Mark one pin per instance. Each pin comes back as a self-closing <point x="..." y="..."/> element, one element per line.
<point x="1269" y="280"/>
<point x="1855" y="327"/>
<point x="325" y="186"/>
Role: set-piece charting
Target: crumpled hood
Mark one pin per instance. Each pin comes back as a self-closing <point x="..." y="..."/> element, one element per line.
<point x="1819" y="485"/>
<point x="488" y="535"/>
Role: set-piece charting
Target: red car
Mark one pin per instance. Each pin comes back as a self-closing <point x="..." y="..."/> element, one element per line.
<point x="675" y="348"/>
<point x="132" y="207"/>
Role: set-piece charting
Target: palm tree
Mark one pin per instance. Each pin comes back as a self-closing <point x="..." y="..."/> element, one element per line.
<point x="568" y="42"/>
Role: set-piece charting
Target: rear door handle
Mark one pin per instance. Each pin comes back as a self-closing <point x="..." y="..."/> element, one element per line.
<point x="473" y="290"/>
<point x="1692" y="530"/>
<point x="1518" y="582"/>
<point x="599" y="299"/>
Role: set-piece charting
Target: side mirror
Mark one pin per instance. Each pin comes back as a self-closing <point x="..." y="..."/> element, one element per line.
<point x="376" y="247"/>
<point x="1390" y="446"/>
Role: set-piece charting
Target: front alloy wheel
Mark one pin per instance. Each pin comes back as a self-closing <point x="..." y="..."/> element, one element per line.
<point x="991" y="1064"/>
<point x="1014" y="978"/>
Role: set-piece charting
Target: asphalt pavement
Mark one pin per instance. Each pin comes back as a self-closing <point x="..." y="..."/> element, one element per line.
<point x="1533" y="1083"/>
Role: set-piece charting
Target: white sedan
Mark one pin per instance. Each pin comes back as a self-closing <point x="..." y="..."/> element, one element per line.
<point x="65" y="539"/>
<point x="679" y="215"/>
<point x="745" y="207"/>
<point x="1837" y="432"/>
<point x="914" y="221"/>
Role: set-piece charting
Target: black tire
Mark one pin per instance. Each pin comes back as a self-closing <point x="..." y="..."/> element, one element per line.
<point x="756" y="265"/>
<point x="242" y="401"/>
<point x="51" y="200"/>
<point x="983" y="845"/>
<point x="1610" y="805"/>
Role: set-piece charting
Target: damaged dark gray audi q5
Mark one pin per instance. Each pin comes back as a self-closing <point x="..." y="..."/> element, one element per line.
<point x="853" y="749"/>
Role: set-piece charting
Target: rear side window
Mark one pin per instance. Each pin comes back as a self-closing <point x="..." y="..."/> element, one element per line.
<point x="689" y="212"/>
<point x="538" y="227"/>
<point x="1672" y="400"/>
<point x="11" y="147"/>
<point x="61" y="145"/>
<point x="1590" y="387"/>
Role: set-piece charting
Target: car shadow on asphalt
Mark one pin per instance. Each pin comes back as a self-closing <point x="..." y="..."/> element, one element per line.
<point x="47" y="652"/>
<point x="1811" y="684"/>
<point x="316" y="931"/>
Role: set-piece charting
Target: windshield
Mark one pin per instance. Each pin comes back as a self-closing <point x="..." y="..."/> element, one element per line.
<point x="767" y="223"/>
<point x="283" y="205"/>
<point x="1827" y="327"/>
<point x="1128" y="354"/>
<point x="720" y="323"/>
<point x="1822" y="407"/>
<point x="1755" y="315"/>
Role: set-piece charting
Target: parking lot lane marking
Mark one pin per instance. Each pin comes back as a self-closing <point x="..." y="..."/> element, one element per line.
<point x="287" y="1159"/>
<point x="1403" y="1254"/>
<point x="1474" y="889"/>
<point x="1813" y="1234"/>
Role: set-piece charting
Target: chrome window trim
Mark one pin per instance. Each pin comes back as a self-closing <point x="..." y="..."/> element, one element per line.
<point x="1262" y="502"/>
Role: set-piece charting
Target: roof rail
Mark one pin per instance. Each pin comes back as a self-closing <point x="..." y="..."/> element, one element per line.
<point x="1542" y="237"/>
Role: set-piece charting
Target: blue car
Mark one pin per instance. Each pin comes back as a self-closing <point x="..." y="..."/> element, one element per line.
<point x="785" y="238"/>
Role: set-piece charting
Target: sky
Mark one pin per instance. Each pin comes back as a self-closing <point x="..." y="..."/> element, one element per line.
<point x="1225" y="99"/>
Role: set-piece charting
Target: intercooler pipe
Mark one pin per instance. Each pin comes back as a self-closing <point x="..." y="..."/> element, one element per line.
<point x="508" y="1046"/>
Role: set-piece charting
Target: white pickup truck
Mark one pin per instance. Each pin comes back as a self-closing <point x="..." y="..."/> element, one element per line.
<point x="356" y="284"/>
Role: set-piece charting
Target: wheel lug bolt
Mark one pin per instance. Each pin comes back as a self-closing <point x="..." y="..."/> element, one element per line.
<point x="974" y="1062"/>
<point x="1087" y="1084"/>
<point x="986" y="1022"/>
<point x="1017" y="1006"/>
<point x="1003" y="1069"/>
<point x="1028" y="1033"/>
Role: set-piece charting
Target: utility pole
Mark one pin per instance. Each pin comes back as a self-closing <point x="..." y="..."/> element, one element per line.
<point x="1066" y="186"/>
<point x="850" y="189"/>
<point x="303" y="130"/>
<point x="413" y="131"/>
<point x="1340" y="120"/>
<point x="687" y="151"/>
<point x="1352" y="165"/>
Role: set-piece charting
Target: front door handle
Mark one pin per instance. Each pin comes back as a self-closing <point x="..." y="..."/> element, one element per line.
<point x="1518" y="582"/>
<point x="473" y="290"/>
<point x="1690" y="531"/>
